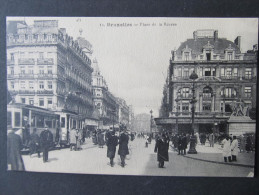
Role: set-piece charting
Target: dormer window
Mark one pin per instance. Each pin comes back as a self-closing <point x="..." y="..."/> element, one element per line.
<point x="186" y="56"/>
<point x="229" y="56"/>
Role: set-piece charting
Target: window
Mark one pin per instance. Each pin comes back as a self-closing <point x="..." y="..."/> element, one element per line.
<point x="22" y="84"/>
<point x="248" y="73"/>
<point x="23" y="100"/>
<point x="49" y="101"/>
<point x="49" y="70"/>
<point x="40" y="121"/>
<point x="12" y="56"/>
<point x="30" y="70"/>
<point x="201" y="57"/>
<point x="31" y="85"/>
<point x="208" y="56"/>
<point x="11" y="70"/>
<point x="41" y="84"/>
<point x="12" y="84"/>
<point x="185" y="107"/>
<point x="63" y="122"/>
<point x="50" y="84"/>
<point x="248" y="92"/>
<point x="207" y="72"/>
<point x="207" y="91"/>
<point x="229" y="92"/>
<point x="229" y="72"/>
<point x="206" y="107"/>
<point x="214" y="57"/>
<point x="22" y="70"/>
<point x="185" y="92"/>
<point x="41" y="102"/>
<point x="17" y="119"/>
<point x="186" y="56"/>
<point x="186" y="72"/>
<point x="229" y="55"/>
<point x="31" y="101"/>
<point x="41" y="70"/>
<point x="41" y="55"/>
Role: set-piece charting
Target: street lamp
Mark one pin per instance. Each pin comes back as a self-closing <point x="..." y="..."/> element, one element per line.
<point x="177" y="113"/>
<point x="192" y="149"/>
<point x="151" y="121"/>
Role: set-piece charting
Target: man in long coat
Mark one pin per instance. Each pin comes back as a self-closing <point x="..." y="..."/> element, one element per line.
<point x="162" y="146"/>
<point x="123" y="147"/>
<point x="14" y="146"/>
<point x="46" y="140"/>
<point x="112" y="142"/>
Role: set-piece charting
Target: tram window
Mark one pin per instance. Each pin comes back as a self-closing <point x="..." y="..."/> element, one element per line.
<point x="74" y="123"/>
<point x="9" y="118"/>
<point x="49" y="123"/>
<point x="53" y="123"/>
<point x="40" y="121"/>
<point x="17" y="119"/>
<point x="63" y="120"/>
<point x="33" y="121"/>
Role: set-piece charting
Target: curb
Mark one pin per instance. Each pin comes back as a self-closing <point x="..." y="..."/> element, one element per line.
<point x="216" y="162"/>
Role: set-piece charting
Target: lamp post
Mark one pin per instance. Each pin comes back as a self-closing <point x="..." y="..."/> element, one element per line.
<point x="177" y="113"/>
<point x="192" y="149"/>
<point x="151" y="111"/>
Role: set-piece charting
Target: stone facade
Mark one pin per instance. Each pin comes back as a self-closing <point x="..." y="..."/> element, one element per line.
<point x="226" y="78"/>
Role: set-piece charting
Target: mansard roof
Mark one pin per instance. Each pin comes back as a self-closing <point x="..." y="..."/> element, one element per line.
<point x="218" y="45"/>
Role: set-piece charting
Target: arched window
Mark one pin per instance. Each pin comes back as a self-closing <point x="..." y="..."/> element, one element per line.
<point x="229" y="92"/>
<point x="207" y="92"/>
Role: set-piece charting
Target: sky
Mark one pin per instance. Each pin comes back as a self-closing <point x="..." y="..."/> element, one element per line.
<point x="134" y="57"/>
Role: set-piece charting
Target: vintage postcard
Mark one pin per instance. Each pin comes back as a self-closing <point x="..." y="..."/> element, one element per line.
<point x="132" y="96"/>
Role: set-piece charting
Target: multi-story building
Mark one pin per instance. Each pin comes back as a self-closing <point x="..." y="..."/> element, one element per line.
<point x="131" y="118"/>
<point x="47" y="68"/>
<point x="123" y="112"/>
<point x="104" y="101"/>
<point x="226" y="83"/>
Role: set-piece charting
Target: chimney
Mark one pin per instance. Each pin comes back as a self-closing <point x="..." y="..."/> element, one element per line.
<point x="195" y="35"/>
<point x="238" y="41"/>
<point x="216" y="35"/>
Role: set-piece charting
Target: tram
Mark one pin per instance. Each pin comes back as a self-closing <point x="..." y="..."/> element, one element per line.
<point x="25" y="116"/>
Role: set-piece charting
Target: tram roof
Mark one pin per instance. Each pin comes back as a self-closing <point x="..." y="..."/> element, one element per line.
<point x="20" y="105"/>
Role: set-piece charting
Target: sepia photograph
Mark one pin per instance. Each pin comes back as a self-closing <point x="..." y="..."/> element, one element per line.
<point x="157" y="96"/>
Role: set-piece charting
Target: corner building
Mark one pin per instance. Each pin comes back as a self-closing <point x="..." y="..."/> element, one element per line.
<point x="48" y="69"/>
<point x="226" y="78"/>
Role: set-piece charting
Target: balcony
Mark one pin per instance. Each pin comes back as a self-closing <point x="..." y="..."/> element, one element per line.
<point x="249" y="78"/>
<point x="25" y="92"/>
<point x="26" y="61"/>
<point x="181" y="78"/>
<point x="10" y="62"/>
<point x="45" y="61"/>
<point x="10" y="76"/>
<point x="49" y="76"/>
<point x="229" y="77"/>
<point x="30" y="76"/>
<point x="44" y="92"/>
<point x="184" y="96"/>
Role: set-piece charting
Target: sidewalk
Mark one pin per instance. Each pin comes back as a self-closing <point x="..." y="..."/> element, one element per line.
<point x="214" y="155"/>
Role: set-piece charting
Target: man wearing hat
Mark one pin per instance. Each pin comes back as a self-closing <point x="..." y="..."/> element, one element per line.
<point x="14" y="146"/>
<point x="123" y="146"/>
<point x="46" y="139"/>
<point x="112" y="142"/>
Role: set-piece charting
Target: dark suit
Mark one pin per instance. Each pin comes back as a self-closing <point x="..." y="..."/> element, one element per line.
<point x="46" y="139"/>
<point x="123" y="147"/>
<point x="14" y="146"/>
